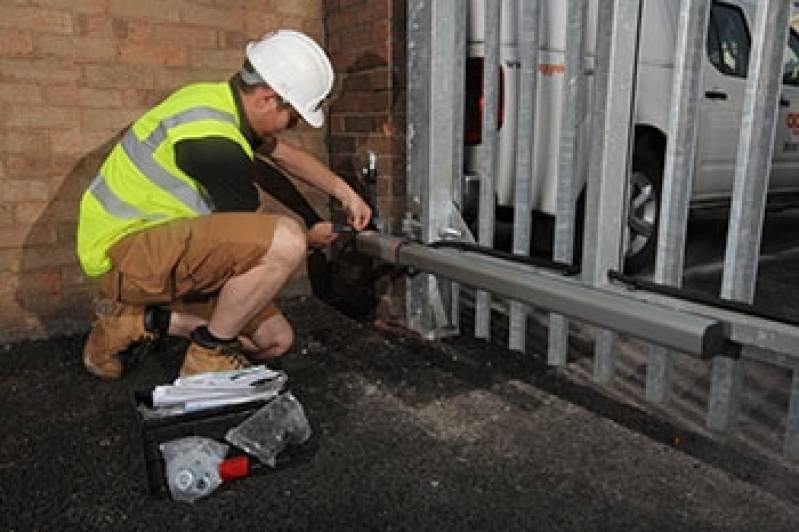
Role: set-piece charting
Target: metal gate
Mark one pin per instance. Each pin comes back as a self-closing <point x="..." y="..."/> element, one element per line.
<point x="438" y="241"/>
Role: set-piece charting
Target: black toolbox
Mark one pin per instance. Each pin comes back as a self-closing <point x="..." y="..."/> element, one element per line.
<point x="212" y="423"/>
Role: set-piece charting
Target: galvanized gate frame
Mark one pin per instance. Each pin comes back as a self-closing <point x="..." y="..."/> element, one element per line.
<point x="436" y="52"/>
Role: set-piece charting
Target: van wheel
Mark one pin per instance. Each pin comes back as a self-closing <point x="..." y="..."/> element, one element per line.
<point x="643" y="214"/>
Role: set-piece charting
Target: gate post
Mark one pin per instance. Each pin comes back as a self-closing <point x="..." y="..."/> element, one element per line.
<point x="436" y="70"/>
<point x="678" y="175"/>
<point x="606" y="204"/>
<point x="753" y="165"/>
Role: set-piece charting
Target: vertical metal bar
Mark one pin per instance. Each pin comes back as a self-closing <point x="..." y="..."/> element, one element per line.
<point x="417" y="311"/>
<point x="598" y="124"/>
<point x="573" y="82"/>
<point x="753" y="166"/>
<point x="607" y="189"/>
<point x="791" y="447"/>
<point x="482" y="319"/>
<point x="678" y="175"/>
<point x="604" y="230"/>
<point x="525" y="153"/>
<point x="605" y="355"/>
<point x="436" y="52"/>
<point x="726" y="382"/>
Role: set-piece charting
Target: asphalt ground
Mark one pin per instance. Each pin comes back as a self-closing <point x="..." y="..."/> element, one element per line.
<point x="408" y="435"/>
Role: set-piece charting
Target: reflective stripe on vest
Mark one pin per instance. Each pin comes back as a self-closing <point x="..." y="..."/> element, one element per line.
<point x="114" y="204"/>
<point x="141" y="153"/>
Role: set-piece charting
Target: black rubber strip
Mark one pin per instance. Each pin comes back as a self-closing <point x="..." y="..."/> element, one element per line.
<point x="697" y="297"/>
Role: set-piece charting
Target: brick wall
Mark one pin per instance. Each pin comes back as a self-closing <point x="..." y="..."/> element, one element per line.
<point x="73" y="74"/>
<point x="366" y="41"/>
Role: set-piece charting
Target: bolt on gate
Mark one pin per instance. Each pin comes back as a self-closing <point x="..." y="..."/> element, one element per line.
<point x="594" y="179"/>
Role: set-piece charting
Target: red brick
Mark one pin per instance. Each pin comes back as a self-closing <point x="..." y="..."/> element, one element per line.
<point x="359" y="124"/>
<point x="300" y="8"/>
<point x="67" y="232"/>
<point x="186" y="35"/>
<point x="40" y="20"/>
<point x="82" y="96"/>
<point x="17" y="190"/>
<point x="142" y="99"/>
<point x="152" y="54"/>
<point x="21" y="141"/>
<point x="229" y="59"/>
<point x="20" y="93"/>
<point x="28" y="173"/>
<point x="97" y="26"/>
<point x="315" y="29"/>
<point x="87" y="49"/>
<point x="108" y="119"/>
<point x="15" y="42"/>
<point x="172" y="79"/>
<point x="37" y="258"/>
<point x="148" y="9"/>
<point x="28" y="212"/>
<point x="29" y="283"/>
<point x="231" y="18"/>
<point x="233" y="40"/>
<point x="93" y="7"/>
<point x="43" y="70"/>
<point x="41" y="116"/>
<point x="17" y="236"/>
<point x="10" y="259"/>
<point x="6" y="215"/>
<point x="79" y="287"/>
<point x="124" y="76"/>
<point x="380" y="144"/>
<point x="377" y="79"/>
<point x="257" y="24"/>
<point x="78" y="141"/>
<point x="362" y="101"/>
<point x="338" y="22"/>
<point x="60" y="210"/>
<point x="373" y="10"/>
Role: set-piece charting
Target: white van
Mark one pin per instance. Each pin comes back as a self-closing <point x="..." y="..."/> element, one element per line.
<point x="725" y="69"/>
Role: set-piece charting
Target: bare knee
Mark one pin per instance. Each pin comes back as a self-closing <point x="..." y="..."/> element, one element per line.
<point x="283" y="341"/>
<point x="289" y="244"/>
<point x="272" y="340"/>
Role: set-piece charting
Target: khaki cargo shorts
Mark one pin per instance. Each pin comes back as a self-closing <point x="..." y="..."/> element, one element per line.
<point x="183" y="264"/>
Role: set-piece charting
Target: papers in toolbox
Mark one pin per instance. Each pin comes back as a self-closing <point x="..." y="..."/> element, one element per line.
<point x="220" y="388"/>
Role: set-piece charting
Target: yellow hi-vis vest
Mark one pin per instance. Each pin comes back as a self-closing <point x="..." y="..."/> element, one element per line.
<point x="140" y="185"/>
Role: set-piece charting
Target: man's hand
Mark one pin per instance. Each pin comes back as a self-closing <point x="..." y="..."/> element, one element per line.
<point x="358" y="212"/>
<point x="306" y="167"/>
<point x="321" y="235"/>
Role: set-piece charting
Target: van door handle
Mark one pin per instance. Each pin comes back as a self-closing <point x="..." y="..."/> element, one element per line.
<point x="716" y="95"/>
<point x="784" y="102"/>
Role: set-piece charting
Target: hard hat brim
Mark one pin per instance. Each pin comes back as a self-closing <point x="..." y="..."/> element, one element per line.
<point x="314" y="118"/>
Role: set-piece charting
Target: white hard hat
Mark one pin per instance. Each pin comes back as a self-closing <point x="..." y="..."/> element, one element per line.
<point x="296" y="68"/>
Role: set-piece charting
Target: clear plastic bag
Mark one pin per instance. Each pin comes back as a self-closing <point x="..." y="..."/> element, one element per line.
<point x="271" y="428"/>
<point x="192" y="466"/>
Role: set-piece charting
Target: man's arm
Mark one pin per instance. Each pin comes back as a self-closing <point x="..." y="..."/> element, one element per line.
<point x="277" y="185"/>
<point x="306" y="167"/>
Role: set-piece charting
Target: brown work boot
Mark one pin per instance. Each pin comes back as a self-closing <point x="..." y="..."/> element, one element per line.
<point x="222" y="357"/>
<point x="114" y="328"/>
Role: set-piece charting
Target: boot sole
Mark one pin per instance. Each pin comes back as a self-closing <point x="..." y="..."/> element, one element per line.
<point x="98" y="371"/>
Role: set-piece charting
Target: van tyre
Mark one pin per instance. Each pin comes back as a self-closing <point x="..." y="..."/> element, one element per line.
<point x="643" y="214"/>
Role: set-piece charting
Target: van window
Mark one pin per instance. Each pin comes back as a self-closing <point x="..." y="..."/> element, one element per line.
<point x="791" y="70"/>
<point x="728" y="42"/>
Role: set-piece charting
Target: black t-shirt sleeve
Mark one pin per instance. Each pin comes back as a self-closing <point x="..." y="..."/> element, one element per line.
<point x="222" y="167"/>
<point x="228" y="176"/>
<point x="283" y="190"/>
